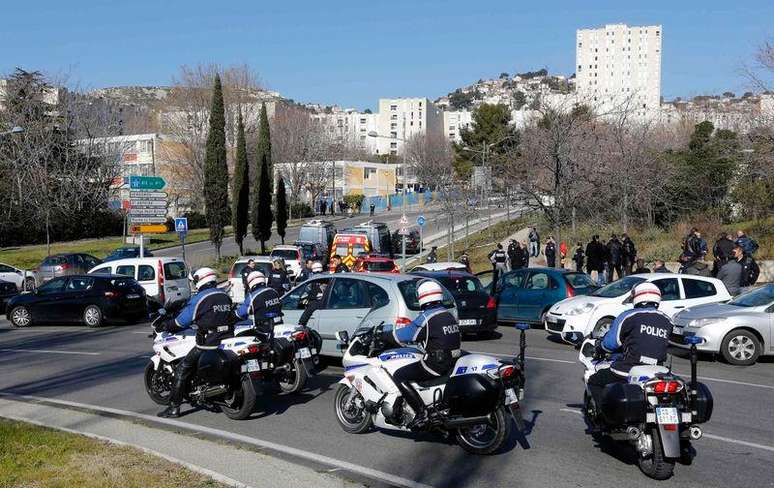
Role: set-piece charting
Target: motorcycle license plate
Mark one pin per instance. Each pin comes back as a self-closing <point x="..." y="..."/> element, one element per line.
<point x="253" y="365"/>
<point x="667" y="416"/>
<point x="510" y="396"/>
<point x="303" y="353"/>
<point x="468" y="322"/>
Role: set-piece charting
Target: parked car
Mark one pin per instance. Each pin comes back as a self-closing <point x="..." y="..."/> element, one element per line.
<point x="22" y="279"/>
<point x="375" y="264"/>
<point x="741" y="330"/>
<point x="8" y="290"/>
<point x="237" y="288"/>
<point x="64" y="265"/>
<point x="318" y="231"/>
<point x="292" y="257"/>
<point x="439" y="266"/>
<point x="412" y="242"/>
<point x="312" y="250"/>
<point x="576" y="317"/>
<point x="350" y="247"/>
<point x="165" y="279"/>
<point x="378" y="236"/>
<point x="352" y="298"/>
<point x="525" y="295"/>
<point x="477" y="311"/>
<point x="89" y="299"/>
<point x="126" y="253"/>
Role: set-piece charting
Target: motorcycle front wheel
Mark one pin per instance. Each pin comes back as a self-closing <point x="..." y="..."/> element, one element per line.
<point x="158" y="383"/>
<point x="294" y="378"/>
<point x="486" y="438"/>
<point x="656" y="466"/>
<point x="242" y="402"/>
<point x="352" y="415"/>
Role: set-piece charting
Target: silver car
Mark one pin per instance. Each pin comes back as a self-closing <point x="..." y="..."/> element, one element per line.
<point x="741" y="330"/>
<point x="352" y="298"/>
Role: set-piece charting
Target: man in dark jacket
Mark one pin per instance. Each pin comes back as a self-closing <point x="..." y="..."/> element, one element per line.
<point x="524" y="255"/>
<point x="659" y="266"/>
<point x="534" y="243"/>
<point x="628" y="255"/>
<point x="337" y="266"/>
<point x="731" y="271"/>
<point x="499" y="260"/>
<point x="748" y="245"/>
<point x="245" y="273"/>
<point x="514" y="254"/>
<point x="432" y="256"/>
<point x="723" y="252"/>
<point x="578" y="257"/>
<point x="615" y="258"/>
<point x="550" y="252"/>
<point x="595" y="254"/>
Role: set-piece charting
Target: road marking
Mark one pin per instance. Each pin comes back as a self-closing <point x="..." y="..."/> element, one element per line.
<point x="50" y="351"/>
<point x="571" y="410"/>
<point x="534" y="358"/>
<point x="387" y="478"/>
<point x="145" y="332"/>
<point x="742" y="383"/>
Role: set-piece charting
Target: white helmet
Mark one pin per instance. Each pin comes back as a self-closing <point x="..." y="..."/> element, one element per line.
<point x="204" y="276"/>
<point x="646" y="293"/>
<point x="429" y="292"/>
<point x="317" y="267"/>
<point x="255" y="278"/>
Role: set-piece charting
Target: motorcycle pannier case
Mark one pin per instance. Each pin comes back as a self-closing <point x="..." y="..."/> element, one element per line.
<point x="471" y="395"/>
<point x="623" y="403"/>
<point x="213" y="367"/>
<point x="703" y="404"/>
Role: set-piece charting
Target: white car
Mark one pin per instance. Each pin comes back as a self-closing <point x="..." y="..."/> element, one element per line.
<point x="24" y="280"/>
<point x="165" y="279"/>
<point x="576" y="317"/>
<point x="291" y="255"/>
<point x="237" y="288"/>
<point x="439" y="266"/>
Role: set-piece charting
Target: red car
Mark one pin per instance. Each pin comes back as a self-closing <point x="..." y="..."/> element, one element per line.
<point x="375" y="264"/>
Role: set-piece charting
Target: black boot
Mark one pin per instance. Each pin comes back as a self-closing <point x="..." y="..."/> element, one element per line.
<point x="171" y="412"/>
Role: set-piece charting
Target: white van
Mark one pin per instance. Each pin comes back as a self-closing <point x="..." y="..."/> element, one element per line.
<point x="164" y="279"/>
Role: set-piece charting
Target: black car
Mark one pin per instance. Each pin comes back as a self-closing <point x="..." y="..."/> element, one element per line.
<point x="477" y="311"/>
<point x="89" y="299"/>
<point x="127" y="252"/>
<point x="8" y="290"/>
<point x="412" y="242"/>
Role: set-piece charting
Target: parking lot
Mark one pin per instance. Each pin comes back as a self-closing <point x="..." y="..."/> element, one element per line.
<point x="103" y="367"/>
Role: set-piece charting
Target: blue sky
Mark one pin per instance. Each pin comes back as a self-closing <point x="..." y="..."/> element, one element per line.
<point x="351" y="53"/>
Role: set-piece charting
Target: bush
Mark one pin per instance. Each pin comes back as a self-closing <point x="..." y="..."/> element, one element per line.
<point x="356" y="200"/>
<point x="196" y="220"/>
<point x="301" y="210"/>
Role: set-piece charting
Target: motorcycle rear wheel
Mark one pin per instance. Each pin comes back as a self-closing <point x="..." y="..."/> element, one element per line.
<point x="158" y="384"/>
<point x="486" y="438"/>
<point x="656" y="466"/>
<point x="294" y="380"/>
<point x="243" y="403"/>
<point x="355" y="419"/>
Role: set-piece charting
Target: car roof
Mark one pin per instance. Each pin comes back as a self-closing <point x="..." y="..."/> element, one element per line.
<point x="257" y="259"/>
<point x="448" y="273"/>
<point x="547" y="269"/>
<point x="378" y="258"/>
<point x="318" y="223"/>
<point x="280" y="247"/>
<point x="653" y="276"/>
<point x="145" y="260"/>
<point x="373" y="277"/>
<point x="442" y="265"/>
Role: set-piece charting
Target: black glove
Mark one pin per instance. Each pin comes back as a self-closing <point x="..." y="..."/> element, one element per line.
<point x="599" y="351"/>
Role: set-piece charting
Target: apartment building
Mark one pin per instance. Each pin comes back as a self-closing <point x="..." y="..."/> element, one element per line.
<point x="400" y="119"/>
<point x="454" y="122"/>
<point x="618" y="67"/>
<point x="350" y="127"/>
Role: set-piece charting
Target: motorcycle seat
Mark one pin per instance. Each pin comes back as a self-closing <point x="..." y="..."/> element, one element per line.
<point x="437" y="381"/>
<point x="646" y="371"/>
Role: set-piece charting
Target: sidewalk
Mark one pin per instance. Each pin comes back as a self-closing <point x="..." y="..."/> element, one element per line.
<point x="225" y="463"/>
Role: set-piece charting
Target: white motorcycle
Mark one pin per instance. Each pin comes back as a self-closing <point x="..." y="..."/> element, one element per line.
<point x="475" y="402"/>
<point x="225" y="377"/>
<point x="656" y="411"/>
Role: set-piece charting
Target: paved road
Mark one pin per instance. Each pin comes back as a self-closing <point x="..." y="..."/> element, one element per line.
<point x="104" y="367"/>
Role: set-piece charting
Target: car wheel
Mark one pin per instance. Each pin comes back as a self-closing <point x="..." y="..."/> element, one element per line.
<point x="602" y="327"/>
<point x="20" y="317"/>
<point x="92" y="316"/>
<point x="29" y="284"/>
<point x="740" y="347"/>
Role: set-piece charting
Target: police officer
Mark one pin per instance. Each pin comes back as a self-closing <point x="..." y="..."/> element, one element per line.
<point x="637" y="336"/>
<point x="436" y="331"/>
<point x="338" y="265"/>
<point x="278" y="279"/>
<point x="262" y="305"/>
<point x="432" y="256"/>
<point x="499" y="260"/>
<point x="314" y="300"/>
<point x="246" y="271"/>
<point x="209" y="311"/>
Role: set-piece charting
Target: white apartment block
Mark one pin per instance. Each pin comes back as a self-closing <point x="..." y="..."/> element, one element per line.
<point x="350" y="126"/>
<point x="399" y="119"/>
<point x="454" y="122"/>
<point x="619" y="67"/>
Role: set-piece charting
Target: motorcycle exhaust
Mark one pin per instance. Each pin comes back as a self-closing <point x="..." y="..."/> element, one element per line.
<point x="213" y="392"/>
<point x="633" y="433"/>
<point x="695" y="432"/>
<point x="465" y="422"/>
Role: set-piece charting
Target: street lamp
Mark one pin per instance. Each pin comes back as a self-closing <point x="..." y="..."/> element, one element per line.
<point x="484" y="161"/>
<point x="373" y="133"/>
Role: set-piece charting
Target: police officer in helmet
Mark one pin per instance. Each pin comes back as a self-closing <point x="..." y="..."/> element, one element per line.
<point x="636" y="337"/>
<point x="262" y="304"/>
<point x="437" y="333"/>
<point x="209" y="311"/>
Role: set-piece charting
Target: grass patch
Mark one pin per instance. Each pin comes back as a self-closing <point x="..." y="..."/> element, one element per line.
<point x="27" y="257"/>
<point x="32" y="456"/>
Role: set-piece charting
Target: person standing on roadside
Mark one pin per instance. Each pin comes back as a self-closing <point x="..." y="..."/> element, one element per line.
<point x="749" y="246"/>
<point x="731" y="272"/>
<point x="595" y="256"/>
<point x="614" y="257"/>
<point x="722" y="251"/>
<point x="641" y="269"/>
<point x="371" y="209"/>
<point x="245" y="273"/>
<point x="337" y="266"/>
<point x="432" y="256"/>
<point x="499" y="260"/>
<point x="514" y="261"/>
<point x="659" y="266"/>
<point x="524" y="255"/>
<point x="465" y="259"/>
<point x="628" y="254"/>
<point x="579" y="257"/>
<point x="550" y="252"/>
<point x="534" y="243"/>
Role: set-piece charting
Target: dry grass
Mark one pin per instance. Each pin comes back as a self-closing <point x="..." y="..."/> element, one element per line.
<point x="32" y="457"/>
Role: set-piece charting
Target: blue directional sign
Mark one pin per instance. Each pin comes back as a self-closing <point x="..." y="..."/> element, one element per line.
<point x="146" y="183"/>
<point x="421" y="221"/>
<point x="181" y="226"/>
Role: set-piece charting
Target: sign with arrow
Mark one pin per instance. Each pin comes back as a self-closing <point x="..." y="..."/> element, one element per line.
<point x="147" y="205"/>
<point x="421" y="221"/>
<point x="146" y="183"/>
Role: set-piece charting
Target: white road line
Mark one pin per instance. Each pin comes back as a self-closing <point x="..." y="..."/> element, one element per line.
<point x="144" y="332"/>
<point x="534" y="358"/>
<point x="733" y="382"/>
<point x="50" y="351"/>
<point x="571" y="410"/>
<point x="387" y="478"/>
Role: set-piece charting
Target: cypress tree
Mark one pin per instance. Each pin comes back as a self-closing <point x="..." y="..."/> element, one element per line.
<point x="262" y="216"/>
<point x="241" y="188"/>
<point x="216" y="170"/>
<point x="281" y="208"/>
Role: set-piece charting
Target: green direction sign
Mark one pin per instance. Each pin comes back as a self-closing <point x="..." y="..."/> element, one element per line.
<point x="146" y="183"/>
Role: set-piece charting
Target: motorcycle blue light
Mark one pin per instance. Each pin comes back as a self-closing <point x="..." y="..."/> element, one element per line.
<point x="522" y="326"/>
<point x="694" y="339"/>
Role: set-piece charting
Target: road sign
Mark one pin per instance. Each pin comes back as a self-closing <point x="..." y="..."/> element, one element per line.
<point x="181" y="224"/>
<point x="148" y="229"/>
<point x="146" y="183"/>
<point x="403" y="231"/>
<point x="137" y="203"/>
<point x="147" y="194"/>
<point x="147" y="220"/>
<point x="404" y="221"/>
<point x="421" y="221"/>
<point x="157" y="212"/>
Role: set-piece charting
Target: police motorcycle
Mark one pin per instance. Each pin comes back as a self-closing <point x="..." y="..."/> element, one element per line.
<point x="226" y="377"/>
<point x="474" y="403"/>
<point x="656" y="411"/>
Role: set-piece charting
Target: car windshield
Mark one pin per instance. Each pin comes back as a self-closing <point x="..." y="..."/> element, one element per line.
<point x="618" y="288"/>
<point x="379" y="265"/>
<point x="286" y="254"/>
<point x="54" y="261"/>
<point x="358" y="249"/>
<point x="308" y="251"/>
<point x="755" y="298"/>
<point x="309" y="234"/>
<point x="461" y="284"/>
<point x="126" y="251"/>
<point x="408" y="290"/>
<point x="580" y="280"/>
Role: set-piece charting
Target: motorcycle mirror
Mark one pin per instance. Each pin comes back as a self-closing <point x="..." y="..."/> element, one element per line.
<point x="575" y="338"/>
<point x="342" y="336"/>
<point x="162" y="311"/>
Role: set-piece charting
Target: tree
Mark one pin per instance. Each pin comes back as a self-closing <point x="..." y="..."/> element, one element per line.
<point x="216" y="170"/>
<point x="241" y="188"/>
<point x="519" y="99"/>
<point x="489" y="132"/>
<point x="262" y="214"/>
<point x="503" y="75"/>
<point x="282" y="209"/>
<point x="460" y="100"/>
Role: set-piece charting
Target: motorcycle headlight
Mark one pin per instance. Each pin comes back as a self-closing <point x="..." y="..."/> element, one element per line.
<point x="581" y="309"/>
<point x="699" y="323"/>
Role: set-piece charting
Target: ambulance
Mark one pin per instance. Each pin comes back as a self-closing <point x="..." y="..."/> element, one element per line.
<point x="349" y="247"/>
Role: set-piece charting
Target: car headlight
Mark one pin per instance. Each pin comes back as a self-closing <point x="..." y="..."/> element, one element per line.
<point x="581" y="309"/>
<point x="699" y="323"/>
